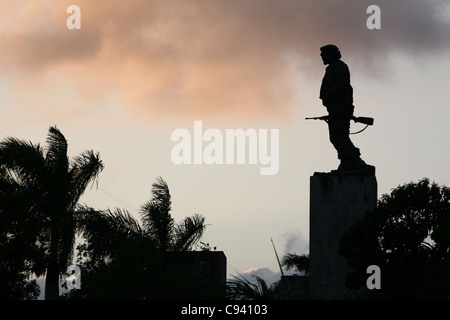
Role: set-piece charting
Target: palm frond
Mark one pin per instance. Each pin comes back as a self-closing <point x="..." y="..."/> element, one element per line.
<point x="85" y="168"/>
<point x="293" y="261"/>
<point x="161" y="193"/>
<point x="22" y="161"/>
<point x="56" y="157"/>
<point x="158" y="224"/>
<point x="96" y="224"/>
<point x="241" y="288"/>
<point x="189" y="232"/>
<point x="106" y="230"/>
<point x="122" y="222"/>
<point x="156" y="218"/>
<point x="22" y="169"/>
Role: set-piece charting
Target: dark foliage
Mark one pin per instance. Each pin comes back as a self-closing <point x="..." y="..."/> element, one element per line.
<point x="39" y="192"/>
<point x="122" y="259"/>
<point x="408" y="237"/>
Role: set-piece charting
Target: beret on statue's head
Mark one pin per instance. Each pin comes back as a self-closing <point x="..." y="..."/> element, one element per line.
<point x="331" y="49"/>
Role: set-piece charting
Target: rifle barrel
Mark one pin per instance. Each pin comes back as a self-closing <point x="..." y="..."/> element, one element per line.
<point x="317" y="118"/>
<point x="365" y="120"/>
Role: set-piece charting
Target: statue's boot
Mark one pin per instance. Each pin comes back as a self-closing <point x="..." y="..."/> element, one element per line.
<point x="354" y="166"/>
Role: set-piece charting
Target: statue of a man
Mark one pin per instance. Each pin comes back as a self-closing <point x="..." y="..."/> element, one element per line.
<point x="336" y="94"/>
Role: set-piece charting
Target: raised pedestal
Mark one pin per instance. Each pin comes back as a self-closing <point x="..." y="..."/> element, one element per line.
<point x="336" y="202"/>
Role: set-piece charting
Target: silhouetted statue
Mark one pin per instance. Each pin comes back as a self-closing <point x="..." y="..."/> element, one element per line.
<point x="336" y="94"/>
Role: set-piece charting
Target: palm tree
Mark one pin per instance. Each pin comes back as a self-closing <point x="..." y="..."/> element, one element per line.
<point x="114" y="239"/>
<point x="158" y="226"/>
<point x="43" y="187"/>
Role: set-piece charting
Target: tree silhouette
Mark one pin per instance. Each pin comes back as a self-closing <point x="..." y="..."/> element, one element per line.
<point x="15" y="269"/>
<point x="297" y="262"/>
<point x="127" y="259"/>
<point x="408" y="237"/>
<point x="241" y="288"/>
<point x="160" y="226"/>
<point x="40" y="190"/>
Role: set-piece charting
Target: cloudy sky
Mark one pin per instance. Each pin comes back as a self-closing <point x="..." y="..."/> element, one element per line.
<point x="137" y="70"/>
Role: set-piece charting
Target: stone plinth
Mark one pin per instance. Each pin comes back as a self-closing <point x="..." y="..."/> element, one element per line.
<point x="336" y="202"/>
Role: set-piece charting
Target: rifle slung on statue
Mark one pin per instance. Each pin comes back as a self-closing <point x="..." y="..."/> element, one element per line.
<point x="364" y="120"/>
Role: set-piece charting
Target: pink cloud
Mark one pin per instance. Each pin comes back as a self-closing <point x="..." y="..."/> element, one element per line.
<point x="196" y="57"/>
